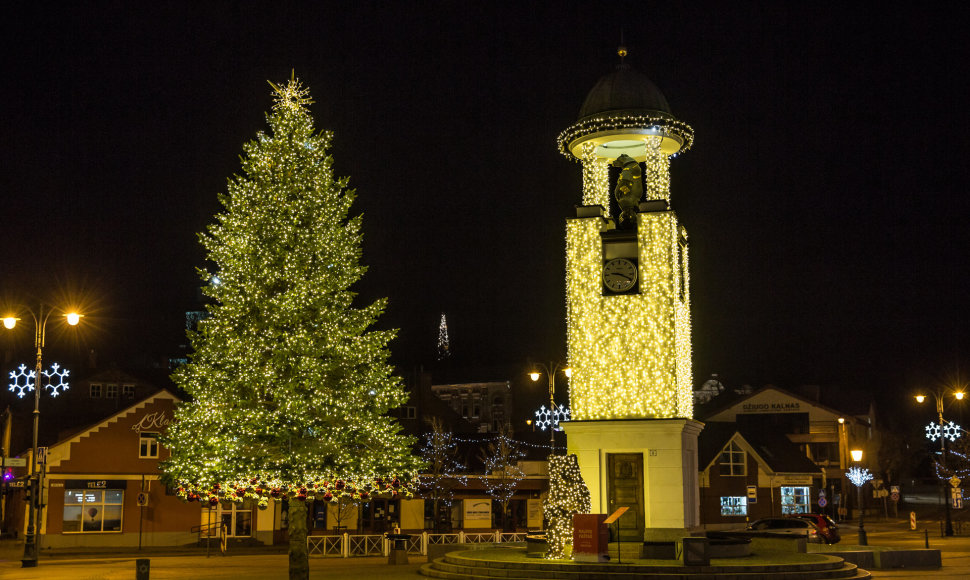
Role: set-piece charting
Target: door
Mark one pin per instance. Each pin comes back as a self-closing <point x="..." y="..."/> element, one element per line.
<point x="625" y="485"/>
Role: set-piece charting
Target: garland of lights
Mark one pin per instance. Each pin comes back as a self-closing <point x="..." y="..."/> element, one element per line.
<point x="56" y="380"/>
<point x="568" y="495"/>
<point x="443" y="470"/>
<point x="657" y="125"/>
<point x="289" y="390"/>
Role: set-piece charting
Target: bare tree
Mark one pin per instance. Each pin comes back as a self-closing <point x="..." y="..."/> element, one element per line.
<point x="444" y="470"/>
<point x="502" y="472"/>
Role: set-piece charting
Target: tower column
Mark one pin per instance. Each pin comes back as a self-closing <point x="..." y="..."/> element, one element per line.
<point x="656" y="173"/>
<point x="596" y="178"/>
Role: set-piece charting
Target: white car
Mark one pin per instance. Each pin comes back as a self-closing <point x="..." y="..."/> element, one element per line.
<point x="791" y="526"/>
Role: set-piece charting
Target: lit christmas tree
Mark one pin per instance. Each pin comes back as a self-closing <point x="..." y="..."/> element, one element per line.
<point x="444" y="348"/>
<point x="289" y="389"/>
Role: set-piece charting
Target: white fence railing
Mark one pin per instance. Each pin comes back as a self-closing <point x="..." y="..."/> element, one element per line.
<point x="352" y="545"/>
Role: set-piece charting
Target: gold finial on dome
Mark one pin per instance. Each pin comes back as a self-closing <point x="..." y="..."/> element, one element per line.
<point x="622" y="51"/>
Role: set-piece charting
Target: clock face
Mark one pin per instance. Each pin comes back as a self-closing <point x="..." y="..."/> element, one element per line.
<point x="619" y="274"/>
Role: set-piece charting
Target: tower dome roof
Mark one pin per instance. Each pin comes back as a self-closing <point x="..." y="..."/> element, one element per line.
<point x="624" y="90"/>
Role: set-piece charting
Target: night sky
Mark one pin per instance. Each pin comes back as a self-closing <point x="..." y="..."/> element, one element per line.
<point x="825" y="195"/>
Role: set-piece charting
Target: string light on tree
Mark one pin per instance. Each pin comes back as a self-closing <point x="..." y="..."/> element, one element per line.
<point x="289" y="386"/>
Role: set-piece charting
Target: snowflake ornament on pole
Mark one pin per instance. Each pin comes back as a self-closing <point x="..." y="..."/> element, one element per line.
<point x="951" y="431"/>
<point x="58" y="373"/>
<point x="26" y="386"/>
<point x="933" y="431"/>
<point x="551" y="417"/>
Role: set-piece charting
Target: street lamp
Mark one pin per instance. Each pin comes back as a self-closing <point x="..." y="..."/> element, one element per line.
<point x="943" y="430"/>
<point x="29" y="559"/>
<point x="551" y="369"/>
<point x="859" y="476"/>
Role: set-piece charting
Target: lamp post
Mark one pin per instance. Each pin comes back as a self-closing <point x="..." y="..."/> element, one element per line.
<point x="940" y="430"/>
<point x="859" y="477"/>
<point x="29" y="559"/>
<point x="551" y="369"/>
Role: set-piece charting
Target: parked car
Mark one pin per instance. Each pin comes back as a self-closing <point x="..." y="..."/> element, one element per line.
<point x="792" y="526"/>
<point x="827" y="528"/>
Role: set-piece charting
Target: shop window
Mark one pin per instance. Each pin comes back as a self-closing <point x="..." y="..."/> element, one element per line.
<point x="734" y="505"/>
<point x="795" y="500"/>
<point x="128" y="391"/>
<point x="92" y="510"/>
<point x="95" y="390"/>
<point x="733" y="460"/>
<point x="111" y="391"/>
<point x="147" y="445"/>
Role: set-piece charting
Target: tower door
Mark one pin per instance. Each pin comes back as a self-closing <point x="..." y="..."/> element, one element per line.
<point x="625" y="487"/>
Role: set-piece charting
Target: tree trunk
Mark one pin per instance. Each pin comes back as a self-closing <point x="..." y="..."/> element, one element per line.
<point x="299" y="558"/>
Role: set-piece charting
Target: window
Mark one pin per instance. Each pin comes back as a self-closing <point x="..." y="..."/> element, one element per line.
<point x="410" y="412"/>
<point x="733" y="460"/>
<point x="128" y="391"/>
<point x="795" y="500"/>
<point x="95" y="390"/>
<point x="147" y="445"/>
<point x="111" y="391"/>
<point x="476" y="411"/>
<point x="238" y="518"/>
<point x="734" y="506"/>
<point x="92" y="510"/>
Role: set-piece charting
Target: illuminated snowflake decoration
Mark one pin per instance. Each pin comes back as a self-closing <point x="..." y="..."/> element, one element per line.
<point x="21" y="381"/>
<point x="858" y="476"/>
<point x="551" y="417"/>
<point x="951" y="431"/>
<point x="56" y="379"/>
<point x="933" y="432"/>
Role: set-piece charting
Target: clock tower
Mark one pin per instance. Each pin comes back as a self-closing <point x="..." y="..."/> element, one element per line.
<point x="628" y="311"/>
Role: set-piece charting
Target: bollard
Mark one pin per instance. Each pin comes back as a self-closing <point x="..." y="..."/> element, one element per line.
<point x="142" y="567"/>
<point x="926" y="538"/>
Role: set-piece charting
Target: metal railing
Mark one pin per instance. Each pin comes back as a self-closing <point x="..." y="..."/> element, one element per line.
<point x="357" y="545"/>
<point x="214" y="530"/>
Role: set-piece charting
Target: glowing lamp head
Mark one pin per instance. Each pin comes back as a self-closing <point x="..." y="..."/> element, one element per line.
<point x="920" y="398"/>
<point x="568" y="371"/>
<point x="73" y="318"/>
<point x="958" y="395"/>
<point x="534" y="376"/>
<point x="9" y="322"/>
<point x="841" y="420"/>
<point x="856" y="454"/>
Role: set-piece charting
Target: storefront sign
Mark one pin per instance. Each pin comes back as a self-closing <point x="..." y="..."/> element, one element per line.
<point x="151" y="422"/>
<point x="789" y="406"/>
<point x="95" y="483"/>
<point x="477" y="513"/>
<point x="534" y="514"/>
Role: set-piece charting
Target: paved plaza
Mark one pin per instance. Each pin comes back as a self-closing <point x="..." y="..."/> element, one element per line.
<point x="243" y="565"/>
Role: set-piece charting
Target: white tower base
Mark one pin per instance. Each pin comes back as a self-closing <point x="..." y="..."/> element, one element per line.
<point x="670" y="493"/>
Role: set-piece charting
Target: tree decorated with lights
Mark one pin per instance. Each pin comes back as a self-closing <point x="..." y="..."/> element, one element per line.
<point x="502" y="475"/>
<point x="443" y="472"/>
<point x="289" y="389"/>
